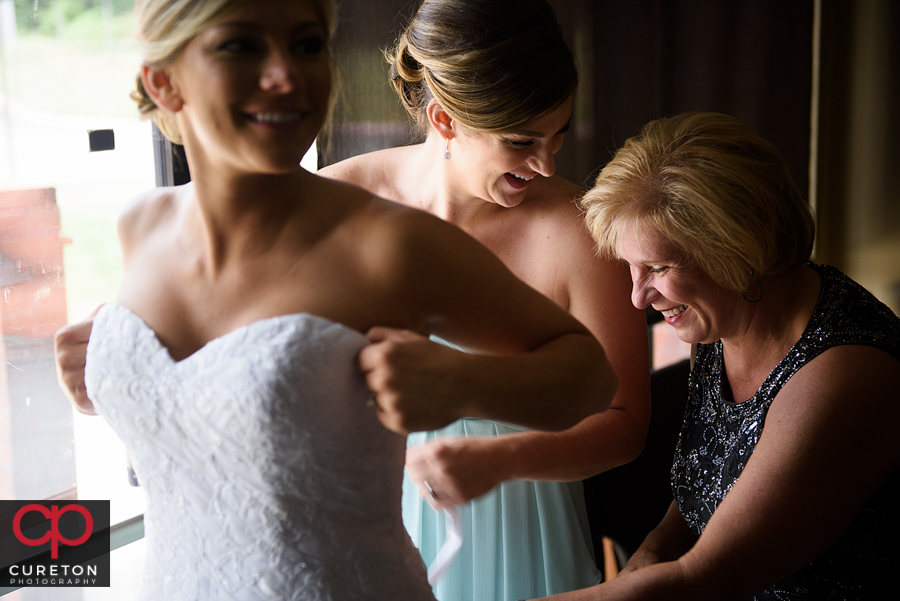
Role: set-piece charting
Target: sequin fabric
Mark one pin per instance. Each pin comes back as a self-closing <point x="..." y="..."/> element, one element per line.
<point x="718" y="437"/>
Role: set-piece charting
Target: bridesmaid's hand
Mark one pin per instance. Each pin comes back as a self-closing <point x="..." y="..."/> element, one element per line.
<point x="70" y="347"/>
<point x="458" y="470"/>
<point x="411" y="379"/>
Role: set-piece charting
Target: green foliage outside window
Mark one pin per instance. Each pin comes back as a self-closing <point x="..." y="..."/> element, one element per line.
<point x="56" y="17"/>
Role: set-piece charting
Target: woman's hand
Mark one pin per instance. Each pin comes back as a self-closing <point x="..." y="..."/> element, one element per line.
<point x="70" y="348"/>
<point x="671" y="539"/>
<point x="408" y="375"/>
<point x="641" y="559"/>
<point x="458" y="469"/>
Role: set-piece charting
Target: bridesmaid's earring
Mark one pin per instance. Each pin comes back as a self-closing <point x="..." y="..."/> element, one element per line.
<point x="447" y="149"/>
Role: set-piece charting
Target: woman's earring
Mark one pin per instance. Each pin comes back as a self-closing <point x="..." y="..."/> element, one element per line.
<point x="759" y="286"/>
<point x="758" y="298"/>
<point x="447" y="149"/>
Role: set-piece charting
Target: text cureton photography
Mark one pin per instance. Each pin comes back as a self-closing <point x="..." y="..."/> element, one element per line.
<point x="54" y="543"/>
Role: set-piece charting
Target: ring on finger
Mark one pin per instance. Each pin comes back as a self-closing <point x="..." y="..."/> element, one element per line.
<point x="429" y="489"/>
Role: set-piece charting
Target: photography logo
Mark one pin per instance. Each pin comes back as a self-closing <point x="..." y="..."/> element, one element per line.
<point x="54" y="543"/>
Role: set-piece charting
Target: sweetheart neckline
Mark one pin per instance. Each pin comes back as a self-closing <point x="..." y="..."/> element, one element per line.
<point x="300" y="315"/>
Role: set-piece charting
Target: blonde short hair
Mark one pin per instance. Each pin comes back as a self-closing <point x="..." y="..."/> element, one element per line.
<point x="492" y="65"/>
<point x="711" y="186"/>
<point x="166" y="26"/>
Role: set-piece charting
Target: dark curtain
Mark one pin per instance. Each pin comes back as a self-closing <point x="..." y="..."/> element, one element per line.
<point x="368" y="116"/>
<point x="639" y="60"/>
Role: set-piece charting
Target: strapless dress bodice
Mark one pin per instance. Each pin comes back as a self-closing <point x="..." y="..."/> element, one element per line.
<point x="267" y="475"/>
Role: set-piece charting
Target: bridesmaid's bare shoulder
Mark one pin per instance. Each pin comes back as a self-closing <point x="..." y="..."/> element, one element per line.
<point x="381" y="172"/>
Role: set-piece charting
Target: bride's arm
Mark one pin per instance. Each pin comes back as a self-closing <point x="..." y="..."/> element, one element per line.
<point x="533" y="365"/>
<point x="599" y="291"/>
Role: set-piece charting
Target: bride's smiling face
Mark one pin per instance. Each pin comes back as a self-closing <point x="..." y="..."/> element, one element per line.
<point x="254" y="85"/>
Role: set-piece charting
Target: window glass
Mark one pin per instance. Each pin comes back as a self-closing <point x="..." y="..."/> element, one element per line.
<point x="66" y="70"/>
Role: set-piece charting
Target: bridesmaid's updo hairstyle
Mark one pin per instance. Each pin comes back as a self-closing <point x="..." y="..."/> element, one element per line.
<point x="493" y="65"/>
<point x="164" y="28"/>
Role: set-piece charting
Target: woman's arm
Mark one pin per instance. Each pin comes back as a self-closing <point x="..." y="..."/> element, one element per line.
<point x="821" y="457"/>
<point x="422" y="385"/>
<point x="599" y="296"/>
<point x="671" y="539"/>
<point x="533" y="364"/>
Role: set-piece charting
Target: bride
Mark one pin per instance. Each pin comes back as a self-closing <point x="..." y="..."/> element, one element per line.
<point x="271" y="322"/>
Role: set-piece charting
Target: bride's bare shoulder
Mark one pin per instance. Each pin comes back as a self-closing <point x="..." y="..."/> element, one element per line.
<point x="147" y="212"/>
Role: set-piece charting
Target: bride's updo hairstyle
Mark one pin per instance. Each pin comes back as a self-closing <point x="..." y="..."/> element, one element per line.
<point x="164" y="28"/>
<point x="493" y="65"/>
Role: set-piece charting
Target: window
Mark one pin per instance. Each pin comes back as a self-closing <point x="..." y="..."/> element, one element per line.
<point x="66" y="68"/>
<point x="66" y="71"/>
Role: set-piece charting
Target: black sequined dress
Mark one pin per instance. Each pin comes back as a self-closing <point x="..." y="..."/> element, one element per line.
<point x="719" y="436"/>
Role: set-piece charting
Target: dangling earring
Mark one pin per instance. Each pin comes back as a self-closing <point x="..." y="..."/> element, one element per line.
<point x="758" y="285"/>
<point x="447" y="149"/>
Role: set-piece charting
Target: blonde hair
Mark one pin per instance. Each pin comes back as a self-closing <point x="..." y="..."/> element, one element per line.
<point x="711" y="186"/>
<point x="492" y="66"/>
<point x="166" y="26"/>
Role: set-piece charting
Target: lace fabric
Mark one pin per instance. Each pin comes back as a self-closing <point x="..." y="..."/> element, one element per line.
<point x="267" y="476"/>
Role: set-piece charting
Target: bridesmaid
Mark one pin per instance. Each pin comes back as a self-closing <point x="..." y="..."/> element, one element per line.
<point x="490" y="84"/>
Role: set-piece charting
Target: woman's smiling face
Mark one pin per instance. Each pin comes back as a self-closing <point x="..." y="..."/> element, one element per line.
<point x="254" y="85"/>
<point x="664" y="278"/>
<point x="500" y="168"/>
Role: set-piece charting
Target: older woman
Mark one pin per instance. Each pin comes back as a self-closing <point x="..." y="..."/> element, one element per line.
<point x="785" y="477"/>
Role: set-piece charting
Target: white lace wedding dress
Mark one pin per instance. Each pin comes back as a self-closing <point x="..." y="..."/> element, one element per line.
<point x="267" y="476"/>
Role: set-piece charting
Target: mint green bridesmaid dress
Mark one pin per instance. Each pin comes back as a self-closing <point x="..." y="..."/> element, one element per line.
<point x="521" y="540"/>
